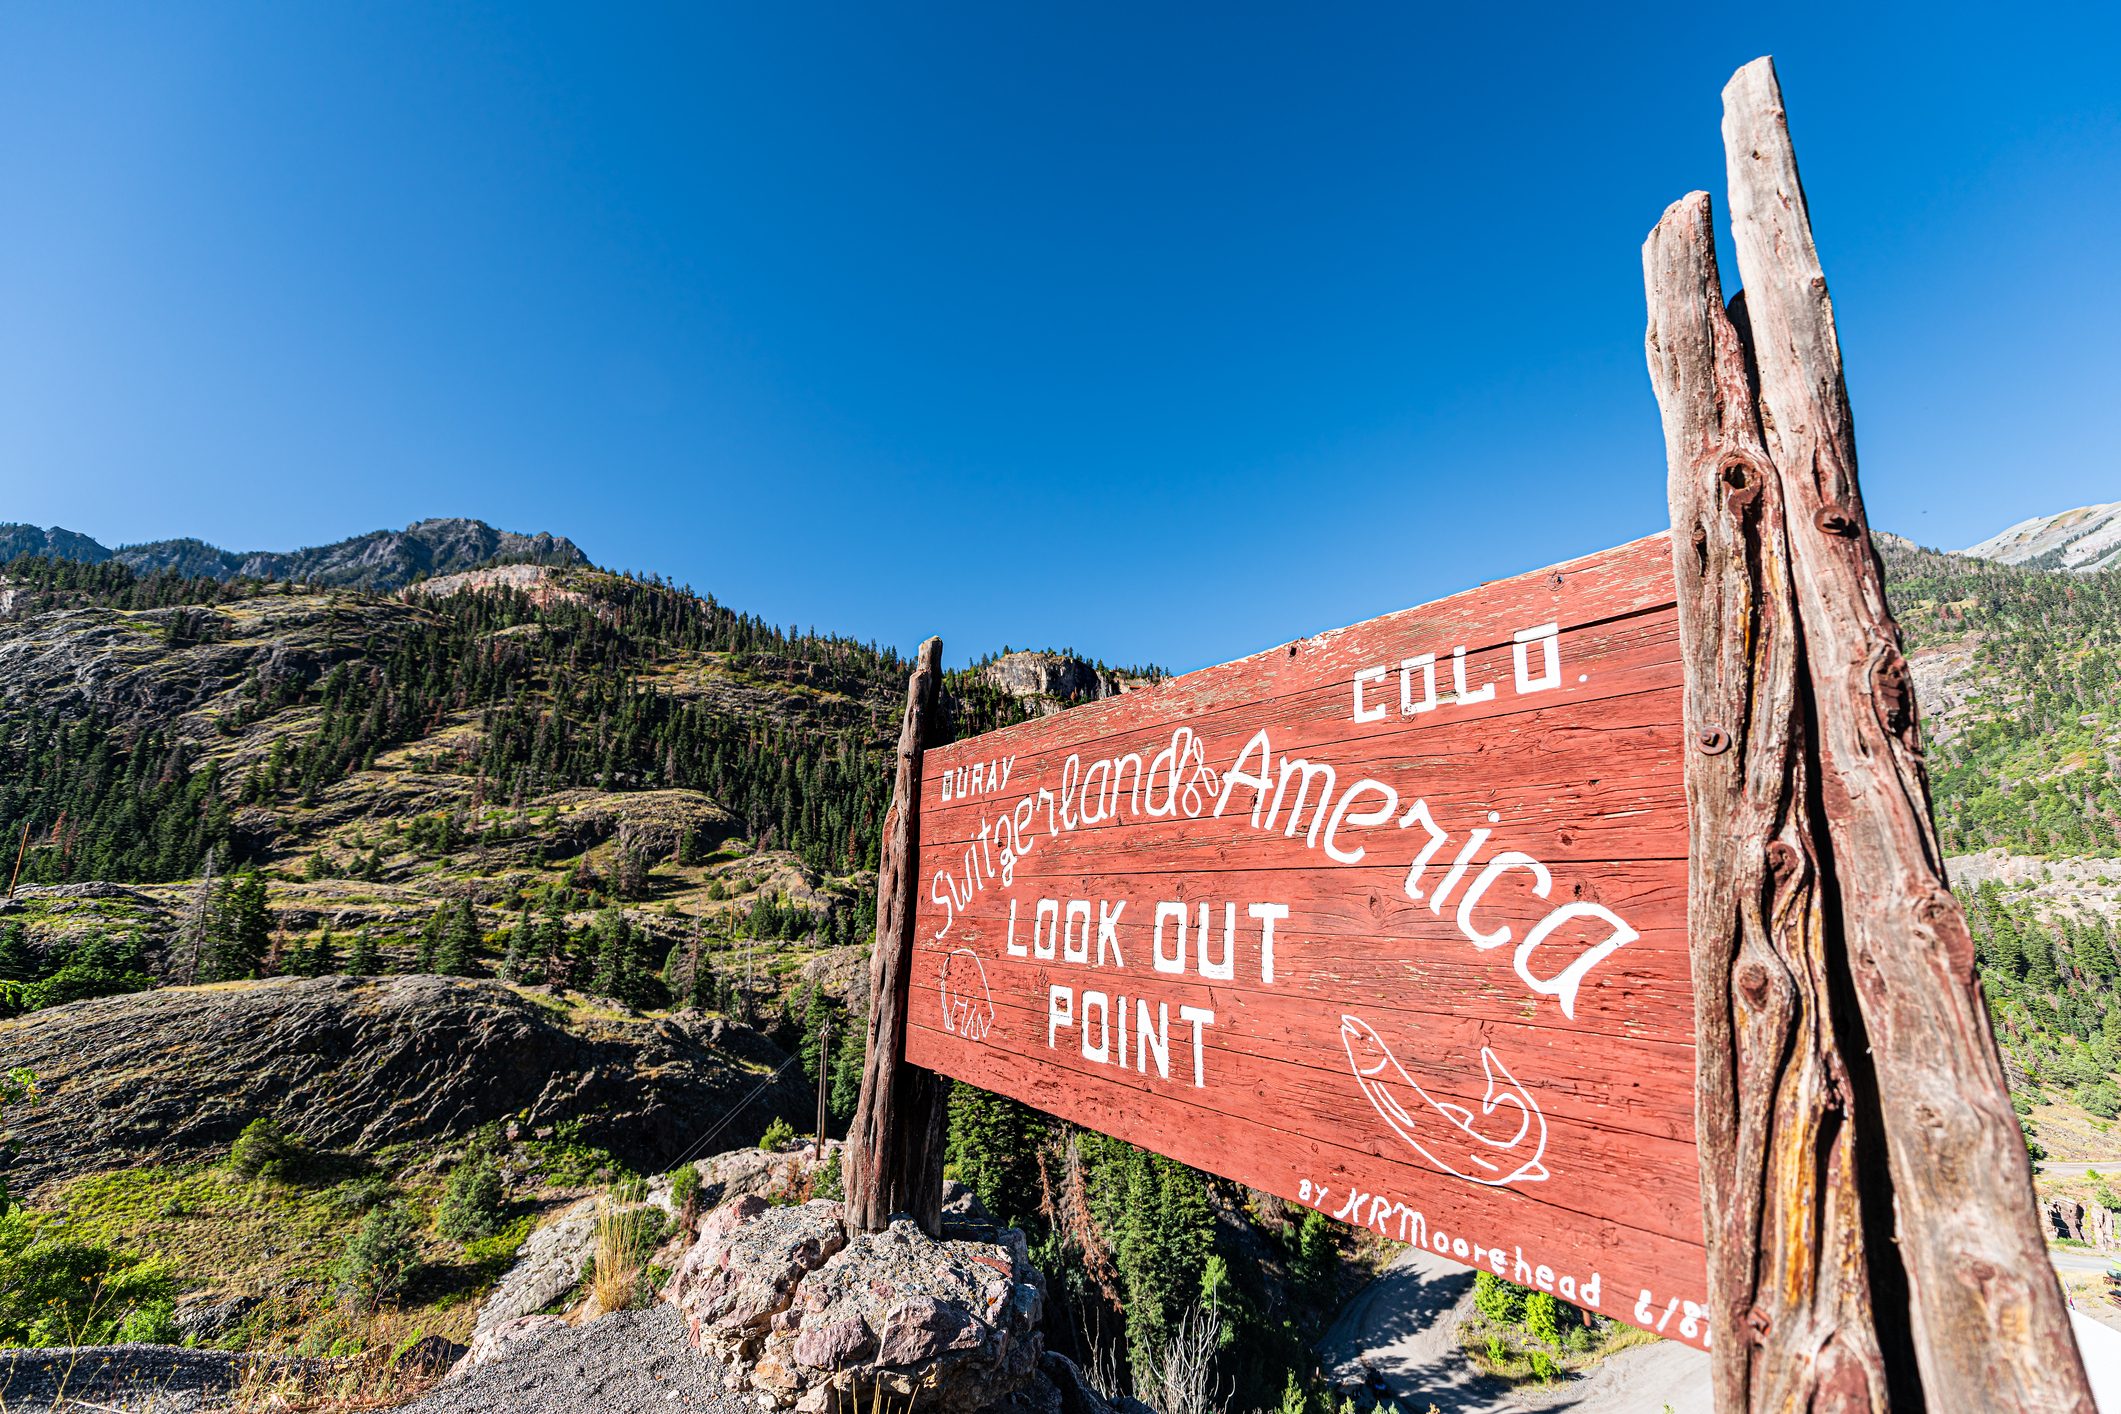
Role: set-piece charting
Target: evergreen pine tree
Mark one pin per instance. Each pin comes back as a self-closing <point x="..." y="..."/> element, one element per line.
<point x="324" y="957"/>
<point x="431" y="940"/>
<point x="17" y="962"/>
<point x="512" y="961"/>
<point x="552" y="947"/>
<point x="850" y="1046"/>
<point x="459" y="944"/>
<point x="700" y="983"/>
<point x="362" y="959"/>
<point x="611" y="941"/>
<point x="244" y="932"/>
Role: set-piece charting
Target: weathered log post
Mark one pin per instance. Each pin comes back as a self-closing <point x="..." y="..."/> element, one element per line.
<point x="1868" y="1205"/>
<point x="894" y="1155"/>
<point x="1781" y="1207"/>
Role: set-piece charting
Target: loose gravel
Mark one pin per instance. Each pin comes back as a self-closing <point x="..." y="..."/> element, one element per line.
<point x="630" y="1362"/>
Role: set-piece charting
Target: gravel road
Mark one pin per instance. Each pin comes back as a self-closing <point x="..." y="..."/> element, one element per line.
<point x="1405" y="1325"/>
<point x="130" y="1379"/>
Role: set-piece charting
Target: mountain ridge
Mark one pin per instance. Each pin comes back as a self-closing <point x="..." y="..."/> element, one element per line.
<point x="2082" y="539"/>
<point x="376" y="559"/>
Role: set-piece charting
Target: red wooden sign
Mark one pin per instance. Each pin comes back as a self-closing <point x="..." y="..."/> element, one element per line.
<point x="1390" y="922"/>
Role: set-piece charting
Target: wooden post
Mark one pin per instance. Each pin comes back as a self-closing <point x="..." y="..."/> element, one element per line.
<point x="895" y="1149"/>
<point x="1868" y="1205"/>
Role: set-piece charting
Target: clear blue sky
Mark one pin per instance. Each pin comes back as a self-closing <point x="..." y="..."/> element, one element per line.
<point x="1167" y="332"/>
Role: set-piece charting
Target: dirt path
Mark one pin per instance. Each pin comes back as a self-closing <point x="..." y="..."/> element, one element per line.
<point x="1405" y="1325"/>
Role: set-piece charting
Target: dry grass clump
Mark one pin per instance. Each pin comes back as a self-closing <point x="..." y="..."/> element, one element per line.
<point x="626" y="1235"/>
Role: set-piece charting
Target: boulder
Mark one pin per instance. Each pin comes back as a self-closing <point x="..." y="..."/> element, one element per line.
<point x="809" y="1316"/>
<point x="745" y="1267"/>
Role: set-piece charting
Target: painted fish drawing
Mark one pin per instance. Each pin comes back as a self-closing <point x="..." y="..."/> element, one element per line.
<point x="1444" y="1133"/>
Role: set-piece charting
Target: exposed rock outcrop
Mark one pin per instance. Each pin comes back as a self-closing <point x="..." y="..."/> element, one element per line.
<point x="354" y="1064"/>
<point x="188" y="666"/>
<point x="1051" y="681"/>
<point x="554" y="1257"/>
<point x="808" y="1314"/>
<point x="2065" y="1217"/>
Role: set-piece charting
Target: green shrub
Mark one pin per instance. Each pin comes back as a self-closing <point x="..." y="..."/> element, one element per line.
<point x="779" y="1134"/>
<point x="262" y="1150"/>
<point x="474" y="1202"/>
<point x="1542" y="1317"/>
<point x="382" y="1257"/>
<point x="1502" y="1302"/>
<point x="565" y="1161"/>
<point x="152" y="1324"/>
<point x="357" y="1196"/>
<point x="829" y="1182"/>
<point x="57" y="1290"/>
<point x="1543" y="1367"/>
<point x="685" y="1187"/>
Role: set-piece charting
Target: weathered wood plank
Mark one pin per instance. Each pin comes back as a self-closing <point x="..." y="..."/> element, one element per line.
<point x="1782" y="1213"/>
<point x="895" y="1146"/>
<point x="1990" y="1329"/>
<point x="1634" y="654"/>
<point x="1634" y="578"/>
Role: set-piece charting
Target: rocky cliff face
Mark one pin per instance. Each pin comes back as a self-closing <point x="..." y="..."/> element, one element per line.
<point x="357" y="1064"/>
<point x="381" y="559"/>
<point x="1052" y="681"/>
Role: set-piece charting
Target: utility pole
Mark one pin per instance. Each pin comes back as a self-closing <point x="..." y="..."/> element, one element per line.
<point x="824" y="1070"/>
<point x="202" y="908"/>
<point x="21" y="851"/>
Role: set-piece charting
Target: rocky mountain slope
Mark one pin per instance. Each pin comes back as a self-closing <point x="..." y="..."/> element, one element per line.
<point x="2084" y="540"/>
<point x="381" y="559"/>
<point x="367" y="1065"/>
<point x="2018" y="673"/>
